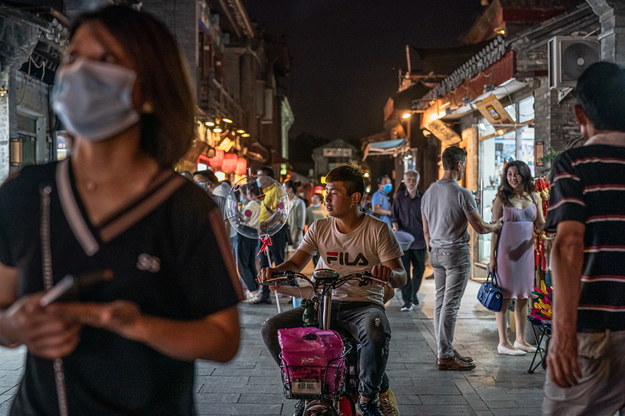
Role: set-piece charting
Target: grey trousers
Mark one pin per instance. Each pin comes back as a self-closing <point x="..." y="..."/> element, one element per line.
<point x="451" y="273"/>
<point x="601" y="389"/>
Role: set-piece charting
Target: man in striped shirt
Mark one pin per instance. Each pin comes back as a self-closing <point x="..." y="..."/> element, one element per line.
<point x="586" y="360"/>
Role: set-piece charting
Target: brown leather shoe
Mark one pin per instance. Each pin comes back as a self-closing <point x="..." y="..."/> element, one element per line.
<point x="454" y="364"/>
<point x="464" y="358"/>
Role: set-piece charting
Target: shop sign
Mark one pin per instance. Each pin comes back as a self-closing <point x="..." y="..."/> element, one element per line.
<point x="337" y="152"/>
<point x="493" y="111"/>
<point x="443" y="132"/>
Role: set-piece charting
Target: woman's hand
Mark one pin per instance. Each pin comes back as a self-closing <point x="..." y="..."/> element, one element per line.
<point x="45" y="334"/>
<point x="122" y="317"/>
<point x="492" y="266"/>
<point x="213" y="337"/>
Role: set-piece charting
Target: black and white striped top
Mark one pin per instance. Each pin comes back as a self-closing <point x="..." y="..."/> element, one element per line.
<point x="588" y="186"/>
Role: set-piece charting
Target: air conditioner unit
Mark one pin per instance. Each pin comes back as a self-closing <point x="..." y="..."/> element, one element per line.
<point x="569" y="56"/>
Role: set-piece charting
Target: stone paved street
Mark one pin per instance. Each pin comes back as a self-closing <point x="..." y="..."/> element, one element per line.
<point x="250" y="384"/>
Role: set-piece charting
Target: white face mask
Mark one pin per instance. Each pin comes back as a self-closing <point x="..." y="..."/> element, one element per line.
<point x="94" y="99"/>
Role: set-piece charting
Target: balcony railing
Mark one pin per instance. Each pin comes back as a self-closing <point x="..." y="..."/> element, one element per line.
<point x="216" y="100"/>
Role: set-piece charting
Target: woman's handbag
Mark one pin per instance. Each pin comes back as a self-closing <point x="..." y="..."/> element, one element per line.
<point x="489" y="294"/>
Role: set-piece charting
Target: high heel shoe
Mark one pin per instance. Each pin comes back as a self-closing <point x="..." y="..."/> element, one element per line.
<point x="523" y="347"/>
<point x="508" y="351"/>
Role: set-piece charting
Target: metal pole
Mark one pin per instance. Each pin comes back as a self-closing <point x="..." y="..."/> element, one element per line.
<point x="274" y="293"/>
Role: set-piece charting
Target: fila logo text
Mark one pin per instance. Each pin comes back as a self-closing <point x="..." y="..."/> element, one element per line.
<point x="344" y="259"/>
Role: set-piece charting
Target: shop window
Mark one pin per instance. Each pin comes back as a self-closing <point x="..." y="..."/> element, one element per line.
<point x="29" y="153"/>
<point x="511" y="109"/>
<point x="526" y="109"/>
<point x="25" y="148"/>
<point x="62" y="147"/>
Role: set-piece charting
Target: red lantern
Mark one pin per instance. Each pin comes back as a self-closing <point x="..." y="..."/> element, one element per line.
<point x="229" y="164"/>
<point x="217" y="160"/>
<point x="203" y="159"/>
<point x="241" y="166"/>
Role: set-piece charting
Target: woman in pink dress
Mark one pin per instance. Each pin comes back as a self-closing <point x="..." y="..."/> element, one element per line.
<point x="512" y="250"/>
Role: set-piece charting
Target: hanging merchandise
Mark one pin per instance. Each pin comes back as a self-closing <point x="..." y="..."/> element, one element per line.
<point x="541" y="307"/>
<point x="217" y="160"/>
<point x="241" y="166"/>
<point x="229" y="164"/>
<point x="540" y="237"/>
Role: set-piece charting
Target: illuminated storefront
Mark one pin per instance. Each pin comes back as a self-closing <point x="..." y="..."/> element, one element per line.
<point x="499" y="145"/>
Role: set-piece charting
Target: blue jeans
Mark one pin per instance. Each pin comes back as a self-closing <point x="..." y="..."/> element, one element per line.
<point x="365" y="321"/>
<point x="451" y="273"/>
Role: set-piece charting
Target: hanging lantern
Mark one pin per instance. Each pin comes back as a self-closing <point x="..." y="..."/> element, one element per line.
<point x="229" y="163"/>
<point x="241" y="166"/>
<point x="217" y="160"/>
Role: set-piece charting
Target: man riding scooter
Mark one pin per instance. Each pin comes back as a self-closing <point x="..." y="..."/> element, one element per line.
<point x="348" y="241"/>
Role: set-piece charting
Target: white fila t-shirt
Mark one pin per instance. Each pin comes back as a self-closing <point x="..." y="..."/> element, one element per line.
<point x="371" y="243"/>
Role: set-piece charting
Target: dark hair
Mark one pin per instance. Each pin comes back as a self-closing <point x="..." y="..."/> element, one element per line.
<point x="452" y="155"/>
<point x="600" y="91"/>
<point x="505" y="191"/>
<point x="292" y="184"/>
<point x="209" y="175"/>
<point x="381" y="178"/>
<point x="351" y="176"/>
<point x="267" y="171"/>
<point x="253" y="188"/>
<point x="167" y="131"/>
<point x="250" y="187"/>
<point x="321" y="198"/>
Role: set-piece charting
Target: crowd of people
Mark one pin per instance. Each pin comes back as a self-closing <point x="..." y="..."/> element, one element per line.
<point x="153" y="255"/>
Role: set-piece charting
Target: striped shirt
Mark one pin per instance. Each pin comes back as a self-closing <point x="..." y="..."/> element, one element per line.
<point x="588" y="186"/>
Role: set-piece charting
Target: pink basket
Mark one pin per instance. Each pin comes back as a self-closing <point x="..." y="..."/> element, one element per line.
<point x="311" y="355"/>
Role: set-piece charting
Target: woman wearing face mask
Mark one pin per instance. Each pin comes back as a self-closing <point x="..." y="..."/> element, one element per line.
<point x="248" y="247"/>
<point x="316" y="211"/>
<point x="115" y="208"/>
<point x="297" y="214"/>
<point x="512" y="252"/>
<point x="296" y="221"/>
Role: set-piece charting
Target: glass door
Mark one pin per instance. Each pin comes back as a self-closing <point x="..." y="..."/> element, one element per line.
<point x="495" y="151"/>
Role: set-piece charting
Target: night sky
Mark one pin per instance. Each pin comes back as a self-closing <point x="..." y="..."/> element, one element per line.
<point x="346" y="54"/>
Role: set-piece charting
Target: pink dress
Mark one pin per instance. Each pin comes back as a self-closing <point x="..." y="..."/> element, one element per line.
<point x="515" y="252"/>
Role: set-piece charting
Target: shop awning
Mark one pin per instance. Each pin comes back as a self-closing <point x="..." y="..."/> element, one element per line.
<point x="385" y="148"/>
